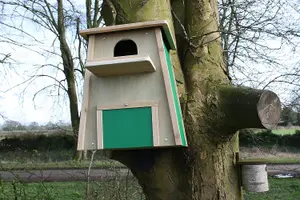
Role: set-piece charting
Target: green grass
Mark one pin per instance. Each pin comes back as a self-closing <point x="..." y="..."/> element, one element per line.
<point x="278" y="160"/>
<point x="113" y="189"/>
<point x="27" y="156"/>
<point x="6" y="166"/>
<point x="278" y="131"/>
<point x="284" y="131"/>
<point x="14" y="160"/>
<point x="280" y="189"/>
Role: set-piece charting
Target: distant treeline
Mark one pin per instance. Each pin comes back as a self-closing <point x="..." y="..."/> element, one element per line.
<point x="290" y="115"/>
<point x="17" y="126"/>
<point x="252" y="138"/>
<point x="38" y="142"/>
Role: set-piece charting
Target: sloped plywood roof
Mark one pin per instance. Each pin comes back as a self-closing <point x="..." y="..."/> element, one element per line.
<point x="134" y="26"/>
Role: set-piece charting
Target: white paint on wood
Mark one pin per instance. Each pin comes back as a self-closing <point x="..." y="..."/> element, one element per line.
<point x="105" y="43"/>
<point x="91" y="48"/>
<point x="255" y="178"/>
<point x="135" y="104"/>
<point x="84" y="110"/>
<point x="99" y="129"/>
<point x="81" y="132"/>
<point x="121" y="66"/>
<point x="155" y="125"/>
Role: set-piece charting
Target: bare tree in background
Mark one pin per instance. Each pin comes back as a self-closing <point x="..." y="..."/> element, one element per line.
<point x="59" y="20"/>
<point x="260" y="41"/>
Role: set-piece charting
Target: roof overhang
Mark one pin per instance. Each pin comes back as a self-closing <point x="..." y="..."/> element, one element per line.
<point x="163" y="24"/>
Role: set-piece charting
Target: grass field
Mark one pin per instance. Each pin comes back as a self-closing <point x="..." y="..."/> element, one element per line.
<point x="49" y="160"/>
<point x="113" y="190"/>
<point x="127" y="189"/>
<point x="280" y="131"/>
<point x="274" y="154"/>
<point x="280" y="189"/>
<point x="117" y="189"/>
<point x="13" y="160"/>
<point x="6" y="166"/>
<point x="284" y="131"/>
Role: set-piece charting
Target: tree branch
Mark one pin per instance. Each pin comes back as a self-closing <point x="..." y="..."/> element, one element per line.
<point x="248" y="108"/>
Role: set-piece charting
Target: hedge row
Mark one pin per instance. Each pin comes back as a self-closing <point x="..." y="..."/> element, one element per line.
<point x="249" y="137"/>
<point x="38" y="142"/>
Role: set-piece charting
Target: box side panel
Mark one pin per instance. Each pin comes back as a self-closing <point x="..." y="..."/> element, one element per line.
<point x="131" y="88"/>
<point x="84" y="111"/>
<point x="176" y="100"/>
<point x="168" y="88"/>
<point x="127" y="128"/>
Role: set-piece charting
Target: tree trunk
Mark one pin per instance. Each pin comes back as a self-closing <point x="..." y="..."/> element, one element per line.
<point x="207" y="168"/>
<point x="68" y="66"/>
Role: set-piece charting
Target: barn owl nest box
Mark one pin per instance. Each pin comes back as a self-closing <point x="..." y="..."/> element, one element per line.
<point x="130" y="95"/>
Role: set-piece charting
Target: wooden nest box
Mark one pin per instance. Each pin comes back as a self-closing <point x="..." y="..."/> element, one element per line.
<point x="130" y="95"/>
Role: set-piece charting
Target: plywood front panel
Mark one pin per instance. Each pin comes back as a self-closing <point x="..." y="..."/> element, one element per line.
<point x="105" y="43"/>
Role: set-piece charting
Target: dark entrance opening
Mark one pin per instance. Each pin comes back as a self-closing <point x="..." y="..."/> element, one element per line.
<point x="125" y="48"/>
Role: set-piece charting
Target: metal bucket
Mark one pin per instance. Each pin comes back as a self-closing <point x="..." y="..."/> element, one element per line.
<point x="255" y="178"/>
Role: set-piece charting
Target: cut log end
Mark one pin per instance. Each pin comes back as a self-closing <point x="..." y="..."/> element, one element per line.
<point x="269" y="109"/>
<point x="249" y="108"/>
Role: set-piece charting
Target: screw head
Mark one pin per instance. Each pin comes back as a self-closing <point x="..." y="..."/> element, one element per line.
<point x="93" y="144"/>
<point x="166" y="139"/>
<point x="125" y="104"/>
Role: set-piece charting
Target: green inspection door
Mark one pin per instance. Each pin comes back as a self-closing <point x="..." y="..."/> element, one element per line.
<point x="127" y="128"/>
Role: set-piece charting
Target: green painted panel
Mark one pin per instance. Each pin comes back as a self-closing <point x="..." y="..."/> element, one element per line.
<point x="127" y="128"/>
<point x="175" y="96"/>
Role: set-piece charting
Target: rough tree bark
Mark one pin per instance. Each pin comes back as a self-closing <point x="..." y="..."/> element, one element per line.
<point x="207" y="168"/>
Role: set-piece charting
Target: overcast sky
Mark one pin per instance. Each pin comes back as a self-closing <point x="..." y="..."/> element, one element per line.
<point x="19" y="106"/>
<point x="16" y="103"/>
